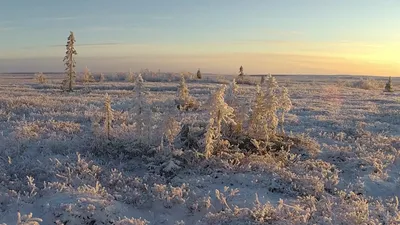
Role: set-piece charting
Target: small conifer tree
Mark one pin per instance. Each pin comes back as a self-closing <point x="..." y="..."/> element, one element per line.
<point x="108" y="116"/>
<point x="143" y="111"/>
<point x="262" y="80"/>
<point x="241" y="72"/>
<point x="87" y="76"/>
<point x="184" y="100"/>
<point x="209" y="139"/>
<point x="285" y="104"/>
<point x="198" y="74"/>
<point x="257" y="123"/>
<point x="40" y="78"/>
<point x="271" y="105"/>
<point x="388" y="86"/>
<point x="102" y="77"/>
<point x="139" y="89"/>
<point x="220" y="111"/>
<point x="231" y="96"/>
<point x="271" y="84"/>
<point x="131" y="76"/>
<point x="231" y="99"/>
<point x="70" y="63"/>
<point x="264" y="120"/>
<point x="171" y="130"/>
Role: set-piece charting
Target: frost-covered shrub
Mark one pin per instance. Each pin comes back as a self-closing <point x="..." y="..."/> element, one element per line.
<point x="246" y="81"/>
<point x="132" y="221"/>
<point x="85" y="211"/>
<point x="40" y="78"/>
<point x="324" y="174"/>
<point x="367" y="84"/>
<point x="27" y="219"/>
<point x="171" y="196"/>
<point x="45" y="130"/>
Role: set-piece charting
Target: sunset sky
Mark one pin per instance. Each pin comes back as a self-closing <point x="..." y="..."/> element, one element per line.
<point x="360" y="37"/>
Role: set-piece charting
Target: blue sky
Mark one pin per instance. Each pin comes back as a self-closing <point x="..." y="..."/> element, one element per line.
<point x="286" y="36"/>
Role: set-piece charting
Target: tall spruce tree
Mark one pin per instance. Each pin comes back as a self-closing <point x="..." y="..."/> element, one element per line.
<point x="70" y="63"/>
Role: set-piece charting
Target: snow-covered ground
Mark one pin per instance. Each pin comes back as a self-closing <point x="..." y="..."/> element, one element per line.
<point x="54" y="164"/>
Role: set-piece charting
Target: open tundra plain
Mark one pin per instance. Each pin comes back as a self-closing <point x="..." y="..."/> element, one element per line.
<point x="339" y="162"/>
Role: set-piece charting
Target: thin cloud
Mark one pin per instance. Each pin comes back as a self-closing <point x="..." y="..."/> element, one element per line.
<point x="92" y="44"/>
<point x="67" y="18"/>
<point x="162" y="17"/>
<point x="342" y="43"/>
<point x="102" y="28"/>
<point x="7" y="28"/>
<point x="283" y="32"/>
<point x="5" y="22"/>
<point x="60" y="18"/>
<point x="112" y="28"/>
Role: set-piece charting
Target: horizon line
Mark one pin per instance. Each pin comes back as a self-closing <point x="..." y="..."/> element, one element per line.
<point x="210" y="73"/>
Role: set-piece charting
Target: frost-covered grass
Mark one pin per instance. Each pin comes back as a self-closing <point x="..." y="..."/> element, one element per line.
<point x="56" y="162"/>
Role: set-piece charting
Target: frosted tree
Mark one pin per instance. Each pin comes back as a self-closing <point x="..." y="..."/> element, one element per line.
<point x="70" y="63"/>
<point x="258" y="125"/>
<point x="143" y="111"/>
<point x="220" y="114"/>
<point x="87" y="76"/>
<point x="388" y="86"/>
<point x="102" y="77"/>
<point x="220" y="111"/>
<point x="198" y="74"/>
<point x="183" y="90"/>
<point x="171" y="130"/>
<point x="271" y="84"/>
<point x="264" y="119"/>
<point x="40" y="78"/>
<point x="139" y="89"/>
<point x="240" y="112"/>
<point x="209" y="139"/>
<point x="285" y="104"/>
<point x="131" y="76"/>
<point x="262" y="81"/>
<point x="108" y="116"/>
<point x="232" y="92"/>
<point x="184" y="100"/>
<point x="271" y="105"/>
<point x="140" y="103"/>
